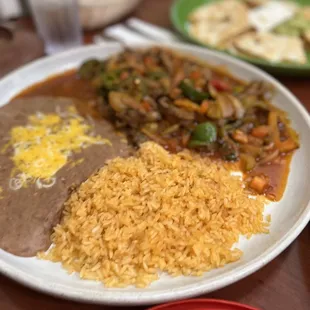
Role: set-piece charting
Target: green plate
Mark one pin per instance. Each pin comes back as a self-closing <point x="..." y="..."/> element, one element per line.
<point x="180" y="11"/>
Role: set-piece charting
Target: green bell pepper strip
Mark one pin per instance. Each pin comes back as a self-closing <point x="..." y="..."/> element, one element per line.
<point x="190" y="92"/>
<point x="204" y="134"/>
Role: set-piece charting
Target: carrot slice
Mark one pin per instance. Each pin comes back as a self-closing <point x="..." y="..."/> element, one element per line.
<point x="260" y="131"/>
<point x="259" y="184"/>
<point x="287" y="146"/>
<point x="195" y="75"/>
<point x="146" y="106"/>
<point x="204" y="106"/>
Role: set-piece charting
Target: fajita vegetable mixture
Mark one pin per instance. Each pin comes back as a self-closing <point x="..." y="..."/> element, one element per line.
<point x="181" y="103"/>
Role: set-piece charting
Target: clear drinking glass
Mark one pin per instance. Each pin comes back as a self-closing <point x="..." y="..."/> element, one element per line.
<point x="58" y="23"/>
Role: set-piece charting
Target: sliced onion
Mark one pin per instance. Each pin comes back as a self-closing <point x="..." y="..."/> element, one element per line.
<point x="226" y="105"/>
<point x="239" y="109"/>
<point x="213" y="92"/>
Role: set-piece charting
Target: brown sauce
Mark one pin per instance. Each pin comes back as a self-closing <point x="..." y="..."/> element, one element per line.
<point x="277" y="173"/>
<point x="69" y="85"/>
<point x="66" y="84"/>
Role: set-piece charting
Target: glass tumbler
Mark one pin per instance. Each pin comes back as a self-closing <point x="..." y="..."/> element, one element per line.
<point x="58" y="23"/>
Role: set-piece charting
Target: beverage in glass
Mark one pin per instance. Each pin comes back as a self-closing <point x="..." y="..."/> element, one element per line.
<point x="58" y="24"/>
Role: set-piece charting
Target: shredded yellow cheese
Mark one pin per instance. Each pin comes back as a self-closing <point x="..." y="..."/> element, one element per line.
<point x="44" y="145"/>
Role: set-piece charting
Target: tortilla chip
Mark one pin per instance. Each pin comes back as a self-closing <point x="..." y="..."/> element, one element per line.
<point x="217" y="22"/>
<point x="272" y="47"/>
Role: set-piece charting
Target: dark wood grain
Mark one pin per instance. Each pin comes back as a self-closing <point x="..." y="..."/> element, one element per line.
<point x="23" y="47"/>
<point x="284" y="284"/>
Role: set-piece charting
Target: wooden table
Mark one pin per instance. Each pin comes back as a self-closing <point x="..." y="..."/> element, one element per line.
<point x="284" y="284"/>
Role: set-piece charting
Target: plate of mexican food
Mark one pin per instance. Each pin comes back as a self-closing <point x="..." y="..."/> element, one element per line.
<point x="144" y="174"/>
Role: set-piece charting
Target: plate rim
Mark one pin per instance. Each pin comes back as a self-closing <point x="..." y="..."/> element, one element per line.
<point x="284" y="67"/>
<point x="188" y="290"/>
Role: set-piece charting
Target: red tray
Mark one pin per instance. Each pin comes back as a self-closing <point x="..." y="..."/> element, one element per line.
<point x="203" y="304"/>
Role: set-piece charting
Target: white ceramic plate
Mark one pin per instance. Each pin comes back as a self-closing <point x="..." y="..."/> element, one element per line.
<point x="289" y="216"/>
